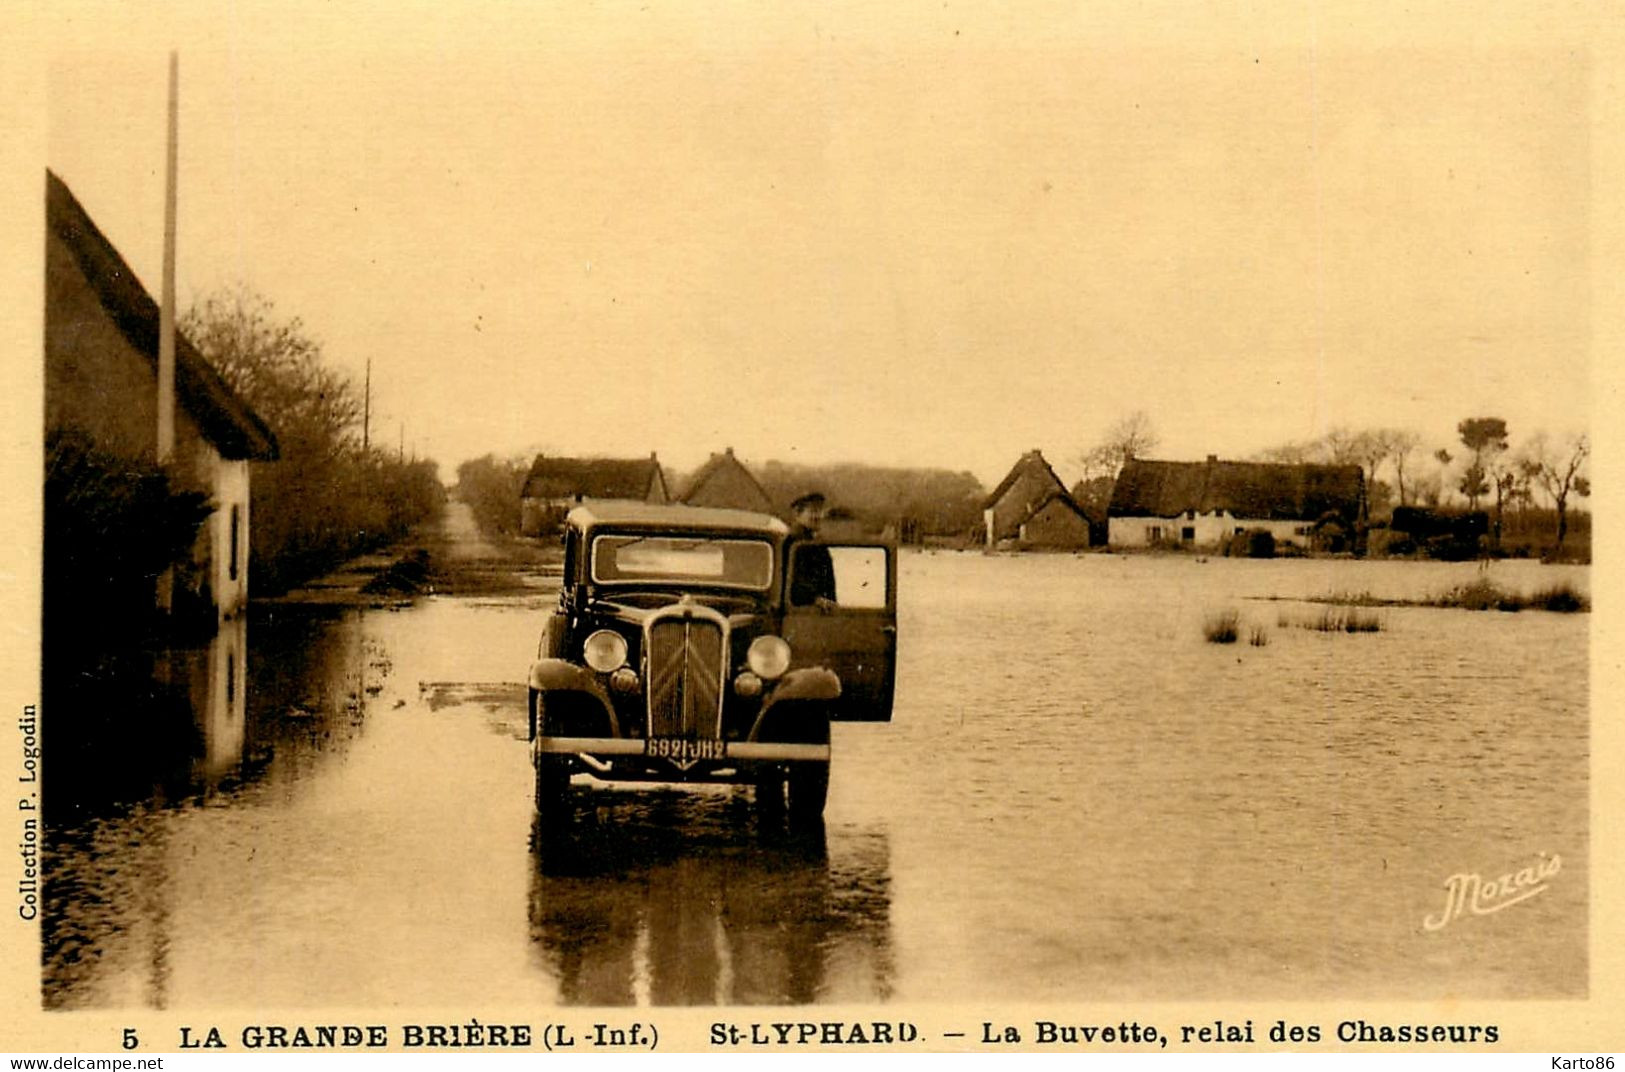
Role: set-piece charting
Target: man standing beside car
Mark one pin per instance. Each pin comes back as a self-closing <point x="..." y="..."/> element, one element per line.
<point x="812" y="577"/>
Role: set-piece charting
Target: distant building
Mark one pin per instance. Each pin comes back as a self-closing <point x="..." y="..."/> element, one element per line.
<point x="101" y="381"/>
<point x="724" y="481"/>
<point x="554" y="485"/>
<point x="1205" y="504"/>
<point x="1032" y="508"/>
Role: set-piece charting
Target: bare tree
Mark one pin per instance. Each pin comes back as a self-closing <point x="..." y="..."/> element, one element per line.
<point x="1130" y="437"/>
<point x="1402" y="443"/>
<point x="1559" y="471"/>
<point x="1343" y="446"/>
<point x="1294" y="453"/>
<point x="1435" y="488"/>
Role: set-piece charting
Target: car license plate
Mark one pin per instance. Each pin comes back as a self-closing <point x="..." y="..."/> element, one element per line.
<point x="684" y="749"/>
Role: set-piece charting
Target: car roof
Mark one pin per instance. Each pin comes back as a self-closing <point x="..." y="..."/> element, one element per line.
<point x="675" y="516"/>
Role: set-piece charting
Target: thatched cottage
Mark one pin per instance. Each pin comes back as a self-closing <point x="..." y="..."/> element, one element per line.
<point x="555" y="485"/>
<point x="101" y="385"/>
<point x="1033" y="508"/>
<point x="1205" y="504"/>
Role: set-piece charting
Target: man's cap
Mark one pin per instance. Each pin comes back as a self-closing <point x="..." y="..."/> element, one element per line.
<point x="812" y="498"/>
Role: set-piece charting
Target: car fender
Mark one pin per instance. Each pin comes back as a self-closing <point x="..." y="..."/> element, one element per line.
<point x="558" y="675"/>
<point x="808" y="683"/>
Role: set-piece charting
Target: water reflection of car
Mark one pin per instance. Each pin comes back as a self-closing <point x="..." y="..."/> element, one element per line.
<point x="677" y="655"/>
<point x="675" y="898"/>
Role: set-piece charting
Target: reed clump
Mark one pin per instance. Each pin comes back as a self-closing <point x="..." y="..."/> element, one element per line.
<point x="1344" y="620"/>
<point x="1561" y="597"/>
<point x="1222" y="628"/>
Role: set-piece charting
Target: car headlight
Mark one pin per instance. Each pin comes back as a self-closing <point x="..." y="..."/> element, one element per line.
<point x="768" y="657"/>
<point x="605" y="651"/>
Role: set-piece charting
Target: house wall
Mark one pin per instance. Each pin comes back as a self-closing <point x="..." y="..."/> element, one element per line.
<point x="1208" y="530"/>
<point x="730" y="486"/>
<point x="1057" y="526"/>
<point x="532" y="516"/>
<point x="542" y="517"/>
<point x="228" y="549"/>
<point x="1004" y="517"/>
<point x="657" y="488"/>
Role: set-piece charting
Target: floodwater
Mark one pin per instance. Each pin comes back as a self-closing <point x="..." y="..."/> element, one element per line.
<point x="1079" y="799"/>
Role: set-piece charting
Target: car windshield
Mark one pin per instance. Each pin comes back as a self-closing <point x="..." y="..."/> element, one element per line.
<point x="736" y="563"/>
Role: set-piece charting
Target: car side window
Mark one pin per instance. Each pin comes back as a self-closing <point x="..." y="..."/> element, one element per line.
<point x="860" y="576"/>
<point x="853" y="577"/>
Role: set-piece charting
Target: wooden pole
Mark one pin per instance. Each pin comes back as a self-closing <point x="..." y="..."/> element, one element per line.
<point x="164" y="445"/>
<point x="366" y="410"/>
<point x="166" y="308"/>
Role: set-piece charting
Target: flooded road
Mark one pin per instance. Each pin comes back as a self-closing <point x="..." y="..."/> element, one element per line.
<point x="1078" y="799"/>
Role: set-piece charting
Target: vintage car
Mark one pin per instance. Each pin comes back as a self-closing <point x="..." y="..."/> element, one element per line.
<point x="693" y="644"/>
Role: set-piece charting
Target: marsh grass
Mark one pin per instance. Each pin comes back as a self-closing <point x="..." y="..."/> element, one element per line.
<point x="1344" y="620"/>
<point x="1560" y="598"/>
<point x="1223" y="627"/>
<point x="1480" y="594"/>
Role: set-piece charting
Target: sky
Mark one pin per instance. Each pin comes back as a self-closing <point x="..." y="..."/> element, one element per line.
<point x="938" y="236"/>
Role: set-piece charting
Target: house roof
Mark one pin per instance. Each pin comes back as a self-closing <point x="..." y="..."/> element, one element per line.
<point x="716" y="464"/>
<point x="1030" y="462"/>
<point x="589" y="478"/>
<point x="1065" y="499"/>
<point x="1262" y="490"/>
<point x="225" y="419"/>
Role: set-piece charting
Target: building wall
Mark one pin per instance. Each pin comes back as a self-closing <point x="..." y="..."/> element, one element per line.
<point x="228" y="541"/>
<point x="542" y="517"/>
<point x="532" y="517"/>
<point x="1056" y="525"/>
<point x="1205" y="530"/>
<point x="657" y="488"/>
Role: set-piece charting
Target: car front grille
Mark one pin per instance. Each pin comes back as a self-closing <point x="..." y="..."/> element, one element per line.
<point x="686" y="649"/>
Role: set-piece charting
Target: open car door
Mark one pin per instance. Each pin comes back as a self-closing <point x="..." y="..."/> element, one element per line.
<point x="841" y="613"/>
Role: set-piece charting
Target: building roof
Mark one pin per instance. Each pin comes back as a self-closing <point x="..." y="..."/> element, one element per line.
<point x="225" y="419"/>
<point x="1261" y="490"/>
<point x="1031" y="462"/>
<point x="1065" y="499"/>
<point x="715" y="466"/>
<point x="590" y="478"/>
<point x="675" y="516"/>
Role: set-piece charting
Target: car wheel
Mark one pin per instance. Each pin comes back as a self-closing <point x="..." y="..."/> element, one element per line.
<point x="552" y="791"/>
<point x="552" y="773"/>
<point x="769" y="788"/>
<point x="809" y="789"/>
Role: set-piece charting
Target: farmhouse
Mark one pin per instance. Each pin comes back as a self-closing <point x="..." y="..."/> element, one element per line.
<point x="101" y="385"/>
<point x="724" y="481"/>
<point x="1204" y="504"/>
<point x="1033" y="508"/>
<point x="554" y="485"/>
